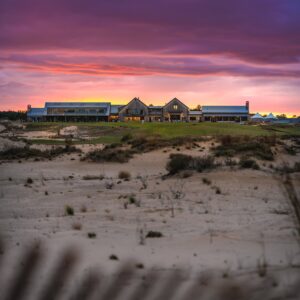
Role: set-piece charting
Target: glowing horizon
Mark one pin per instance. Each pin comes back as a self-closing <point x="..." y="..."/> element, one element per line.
<point x="206" y="52"/>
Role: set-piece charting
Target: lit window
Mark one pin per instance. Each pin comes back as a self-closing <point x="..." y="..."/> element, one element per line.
<point x="175" y="106"/>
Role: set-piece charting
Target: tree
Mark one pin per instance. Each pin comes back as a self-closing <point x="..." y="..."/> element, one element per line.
<point x="198" y="107"/>
<point x="282" y="116"/>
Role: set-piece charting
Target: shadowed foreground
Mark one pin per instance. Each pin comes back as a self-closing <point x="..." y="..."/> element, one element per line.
<point x="126" y="284"/>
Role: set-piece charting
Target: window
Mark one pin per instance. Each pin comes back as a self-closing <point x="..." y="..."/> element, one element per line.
<point x="175" y="107"/>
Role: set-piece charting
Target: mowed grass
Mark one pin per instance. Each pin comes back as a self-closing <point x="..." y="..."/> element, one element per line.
<point x="107" y="133"/>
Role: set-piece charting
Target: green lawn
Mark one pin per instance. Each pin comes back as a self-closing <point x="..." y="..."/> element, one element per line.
<point x="104" y="132"/>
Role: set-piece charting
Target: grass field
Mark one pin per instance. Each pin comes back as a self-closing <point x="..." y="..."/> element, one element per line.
<point x="102" y="132"/>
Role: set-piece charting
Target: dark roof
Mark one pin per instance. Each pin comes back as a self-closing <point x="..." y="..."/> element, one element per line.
<point x="224" y="109"/>
<point x="76" y="104"/>
<point x="134" y="99"/>
<point x="195" y="112"/>
<point x="176" y="99"/>
<point x="114" y="108"/>
<point x="37" y="112"/>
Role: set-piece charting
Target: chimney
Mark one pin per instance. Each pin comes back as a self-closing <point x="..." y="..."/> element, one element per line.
<point x="247" y="105"/>
<point x="28" y="107"/>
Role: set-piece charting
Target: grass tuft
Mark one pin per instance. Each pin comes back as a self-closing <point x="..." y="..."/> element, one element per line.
<point x="69" y="210"/>
<point x="154" y="234"/>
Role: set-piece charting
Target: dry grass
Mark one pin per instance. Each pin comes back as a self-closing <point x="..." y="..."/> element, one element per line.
<point x="125" y="175"/>
<point x="77" y="226"/>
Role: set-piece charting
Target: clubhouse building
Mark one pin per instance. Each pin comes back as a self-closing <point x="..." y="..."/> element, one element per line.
<point x="136" y="110"/>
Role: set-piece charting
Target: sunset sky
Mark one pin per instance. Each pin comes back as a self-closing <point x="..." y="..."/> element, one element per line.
<point x="201" y="51"/>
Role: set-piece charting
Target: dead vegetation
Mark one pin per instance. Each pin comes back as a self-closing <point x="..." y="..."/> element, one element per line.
<point x="27" y="153"/>
<point x="125" y="175"/>
<point x="124" y="152"/>
<point x="182" y="162"/>
<point x="110" y="153"/>
<point x="77" y="226"/>
<point x="69" y="210"/>
<point x="248" y="163"/>
<point x="154" y="234"/>
<point x="91" y="235"/>
<point x="285" y="169"/>
<point x="259" y="147"/>
<point x="93" y="177"/>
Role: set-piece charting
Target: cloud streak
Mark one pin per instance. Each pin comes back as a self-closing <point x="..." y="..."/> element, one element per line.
<point x="169" y="40"/>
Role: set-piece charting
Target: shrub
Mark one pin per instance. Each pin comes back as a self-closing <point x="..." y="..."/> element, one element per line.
<point x="297" y="167"/>
<point x="92" y="177"/>
<point x="290" y="150"/>
<point x="247" y="163"/>
<point x="139" y="266"/>
<point x="218" y="190"/>
<point x="83" y="208"/>
<point x="76" y="226"/>
<point x="203" y="163"/>
<point x="27" y="152"/>
<point x="206" y="181"/>
<point x="124" y="175"/>
<point x="262" y="267"/>
<point x="110" y="153"/>
<point x="154" y="234"/>
<point x="109" y="185"/>
<point x="69" y="210"/>
<point x="288" y="169"/>
<point x="113" y="257"/>
<point x="91" y="235"/>
<point x="186" y="174"/>
<point x="150" y="143"/>
<point x="126" y="137"/>
<point x="132" y="199"/>
<point x="259" y="147"/>
<point x="29" y="180"/>
<point x="230" y="162"/>
<point x="178" y="162"/>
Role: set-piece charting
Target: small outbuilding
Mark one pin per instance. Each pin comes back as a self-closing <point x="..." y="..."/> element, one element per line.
<point x="270" y="118"/>
<point x="257" y="118"/>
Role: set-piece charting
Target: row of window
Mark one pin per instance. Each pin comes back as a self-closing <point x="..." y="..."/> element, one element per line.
<point x="76" y="110"/>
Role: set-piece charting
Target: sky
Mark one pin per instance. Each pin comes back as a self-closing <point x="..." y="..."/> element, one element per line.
<point x="207" y="52"/>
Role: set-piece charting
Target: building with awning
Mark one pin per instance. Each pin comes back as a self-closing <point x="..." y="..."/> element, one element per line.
<point x="257" y="118"/>
<point x="226" y="113"/>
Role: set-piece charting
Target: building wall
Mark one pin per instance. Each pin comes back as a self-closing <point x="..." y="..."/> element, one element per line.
<point x="222" y="118"/>
<point x="175" y="110"/>
<point x="195" y="118"/>
<point x="135" y="110"/>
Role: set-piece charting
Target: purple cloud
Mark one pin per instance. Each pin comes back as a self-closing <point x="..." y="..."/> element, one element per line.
<point x="263" y="31"/>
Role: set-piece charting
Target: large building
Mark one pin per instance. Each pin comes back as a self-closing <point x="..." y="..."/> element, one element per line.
<point x="136" y="110"/>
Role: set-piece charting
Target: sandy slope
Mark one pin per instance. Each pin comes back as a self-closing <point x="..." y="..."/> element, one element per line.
<point x="229" y="231"/>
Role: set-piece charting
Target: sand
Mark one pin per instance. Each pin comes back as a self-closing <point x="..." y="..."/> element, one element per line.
<point x="249" y="219"/>
<point x="6" y="144"/>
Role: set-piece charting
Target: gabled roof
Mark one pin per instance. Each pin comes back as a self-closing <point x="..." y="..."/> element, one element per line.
<point x="36" y="112"/>
<point x="176" y="99"/>
<point x="257" y="116"/>
<point x="270" y="116"/>
<point x="76" y="104"/>
<point x="134" y="99"/>
<point x="224" y="109"/>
